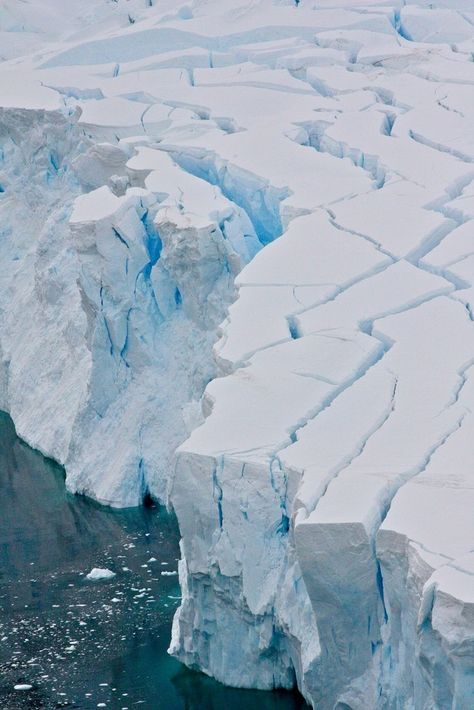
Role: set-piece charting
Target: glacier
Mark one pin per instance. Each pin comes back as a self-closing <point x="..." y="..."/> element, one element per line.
<point x="238" y="278"/>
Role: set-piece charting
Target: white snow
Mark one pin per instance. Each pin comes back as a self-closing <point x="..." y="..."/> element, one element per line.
<point x="238" y="275"/>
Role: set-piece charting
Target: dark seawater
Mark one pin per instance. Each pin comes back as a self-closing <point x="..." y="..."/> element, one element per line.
<point x="84" y="644"/>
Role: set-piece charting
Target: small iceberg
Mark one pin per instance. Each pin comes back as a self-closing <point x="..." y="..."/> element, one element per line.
<point x="98" y="573"/>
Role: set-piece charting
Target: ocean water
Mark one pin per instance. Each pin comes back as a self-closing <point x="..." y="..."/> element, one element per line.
<point x="83" y="644"/>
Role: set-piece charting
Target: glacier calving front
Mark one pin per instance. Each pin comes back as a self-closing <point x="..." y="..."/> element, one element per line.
<point x="316" y="445"/>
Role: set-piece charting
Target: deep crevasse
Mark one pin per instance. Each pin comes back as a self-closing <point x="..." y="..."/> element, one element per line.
<point x="325" y="503"/>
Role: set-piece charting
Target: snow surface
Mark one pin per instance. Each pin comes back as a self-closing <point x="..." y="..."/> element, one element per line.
<point x="238" y="275"/>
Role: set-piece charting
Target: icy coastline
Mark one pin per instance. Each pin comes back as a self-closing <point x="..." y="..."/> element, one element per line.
<point x="237" y="276"/>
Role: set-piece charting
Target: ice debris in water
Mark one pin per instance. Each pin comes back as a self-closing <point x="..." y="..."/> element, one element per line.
<point x="98" y="573"/>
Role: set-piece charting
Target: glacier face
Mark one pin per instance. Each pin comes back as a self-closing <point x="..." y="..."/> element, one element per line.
<point x="323" y="485"/>
<point x="116" y="298"/>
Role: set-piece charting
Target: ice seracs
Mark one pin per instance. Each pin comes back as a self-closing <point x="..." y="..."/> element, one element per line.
<point x="178" y="261"/>
<point x="239" y="277"/>
<point x="113" y="278"/>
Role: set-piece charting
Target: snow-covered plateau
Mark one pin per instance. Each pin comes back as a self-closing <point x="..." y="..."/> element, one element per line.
<point x="237" y="276"/>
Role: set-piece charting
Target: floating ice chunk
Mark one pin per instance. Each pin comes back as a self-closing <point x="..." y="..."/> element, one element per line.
<point x="99" y="573"/>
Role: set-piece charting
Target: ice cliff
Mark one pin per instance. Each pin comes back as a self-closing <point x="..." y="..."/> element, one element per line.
<point x="237" y="253"/>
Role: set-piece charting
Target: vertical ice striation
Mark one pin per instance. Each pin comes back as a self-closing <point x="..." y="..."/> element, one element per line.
<point x="117" y="301"/>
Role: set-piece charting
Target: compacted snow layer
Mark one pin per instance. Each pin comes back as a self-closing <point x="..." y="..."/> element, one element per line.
<point x="238" y="275"/>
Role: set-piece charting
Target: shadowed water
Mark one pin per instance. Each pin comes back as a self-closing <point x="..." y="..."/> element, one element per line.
<point x="83" y="644"/>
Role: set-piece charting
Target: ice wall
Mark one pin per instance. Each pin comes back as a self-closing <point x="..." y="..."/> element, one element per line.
<point x="111" y="302"/>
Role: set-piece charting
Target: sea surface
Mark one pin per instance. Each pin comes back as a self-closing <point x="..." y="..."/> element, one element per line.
<point x="84" y="644"/>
